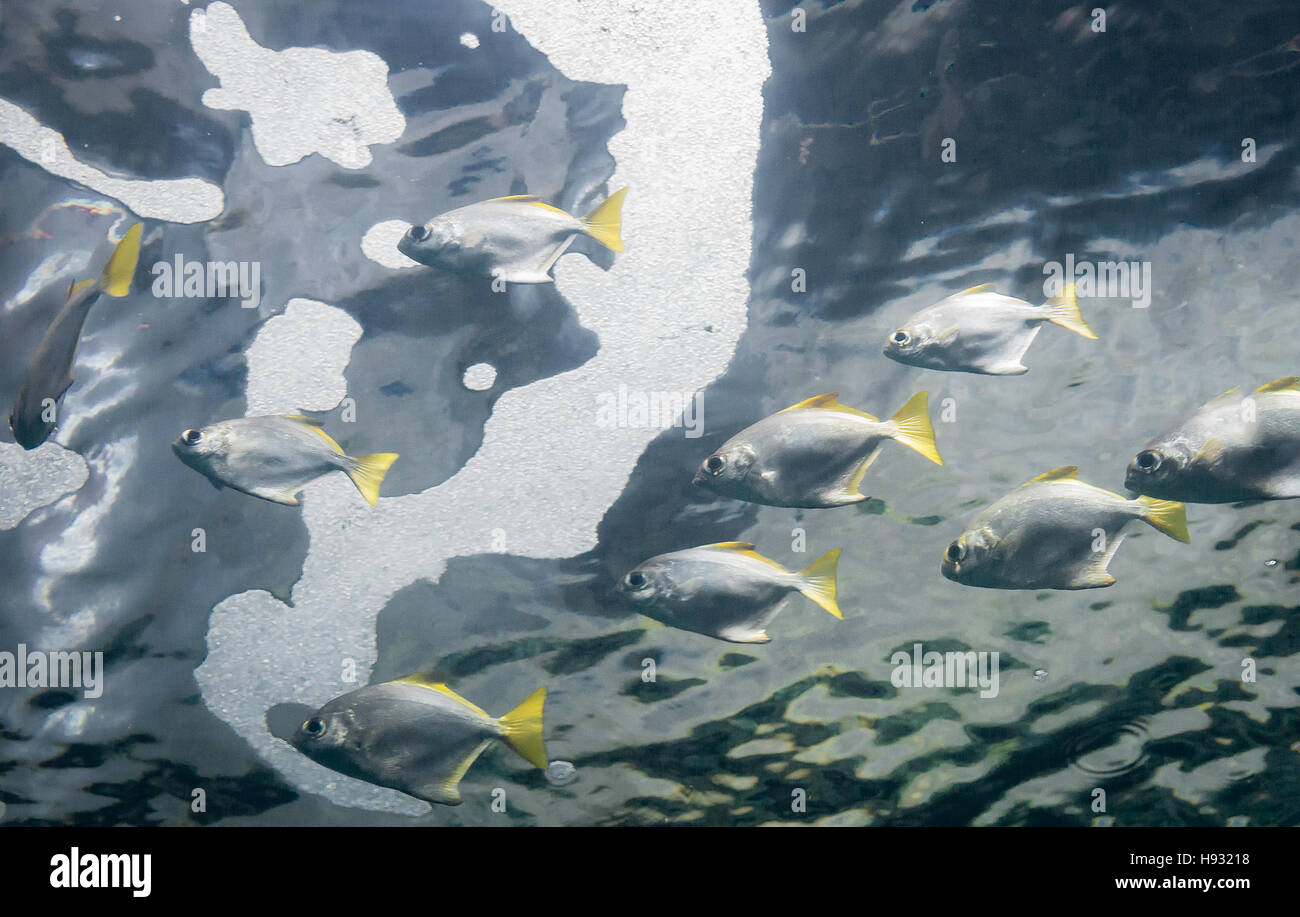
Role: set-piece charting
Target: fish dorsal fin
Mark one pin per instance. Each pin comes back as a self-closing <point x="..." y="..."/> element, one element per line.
<point x="827" y="402"/>
<point x="981" y="288"/>
<point x="1064" y="473"/>
<point x="424" y="681"/>
<point x="1289" y="384"/>
<point x="745" y="548"/>
<point x="1231" y="394"/>
<point x="530" y="199"/>
<point x="311" y="423"/>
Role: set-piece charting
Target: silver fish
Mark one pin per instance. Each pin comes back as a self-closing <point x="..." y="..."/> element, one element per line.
<point x="517" y="239"/>
<point x="1230" y="449"/>
<point x="49" y="374"/>
<point x="726" y="590"/>
<point x="813" y="454"/>
<point x="981" y="331"/>
<point x="416" y="735"/>
<point x="275" y="456"/>
<point x="1053" y="532"/>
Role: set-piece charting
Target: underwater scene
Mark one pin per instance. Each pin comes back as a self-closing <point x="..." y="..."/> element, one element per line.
<point x="613" y="413"/>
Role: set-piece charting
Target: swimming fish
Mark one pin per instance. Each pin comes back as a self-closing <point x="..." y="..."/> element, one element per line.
<point x="813" y="454"/>
<point x="517" y="238"/>
<point x="416" y="735"/>
<point x="1053" y="532"/>
<point x="49" y="374"/>
<point x="981" y="331"/>
<point x="275" y="456"/>
<point x="1230" y="449"/>
<point x="726" y="590"/>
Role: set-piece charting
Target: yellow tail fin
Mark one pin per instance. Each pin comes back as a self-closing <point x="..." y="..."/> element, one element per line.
<point x="369" y="473"/>
<point x="1166" y="516"/>
<point x="115" y="279"/>
<point x="1063" y="310"/>
<point x="819" y="581"/>
<point x="912" y="427"/>
<point x="605" y="223"/>
<point x="523" y="729"/>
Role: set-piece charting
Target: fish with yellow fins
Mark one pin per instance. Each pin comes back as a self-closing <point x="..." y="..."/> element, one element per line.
<point x="1053" y="532"/>
<point x="416" y="735"/>
<point x="49" y="374"/>
<point x="276" y="456"/>
<point x="981" y="331"/>
<point x="1233" y="448"/>
<point x="813" y="454"/>
<point x="726" y="590"/>
<point x="517" y="239"/>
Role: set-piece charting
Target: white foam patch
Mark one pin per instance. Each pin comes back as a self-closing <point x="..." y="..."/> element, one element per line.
<point x="30" y="480"/>
<point x="379" y="244"/>
<point x="179" y="200"/>
<point x="480" y="377"/>
<point x="469" y="40"/>
<point x="296" y="362"/>
<point x="300" y="100"/>
<point x="694" y="75"/>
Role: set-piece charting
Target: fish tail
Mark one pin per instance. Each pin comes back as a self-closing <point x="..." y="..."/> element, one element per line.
<point x="1063" y="310"/>
<point x="1167" y="516"/>
<point x="367" y="472"/>
<point x="523" y="728"/>
<point x="912" y="427"/>
<point x="605" y="223"/>
<point x="115" y="279"/>
<point x="818" y="581"/>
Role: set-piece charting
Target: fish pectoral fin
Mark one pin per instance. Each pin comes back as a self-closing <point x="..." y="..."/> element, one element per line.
<point x="367" y="472"/>
<point x="288" y="496"/>
<point x="852" y="487"/>
<point x="1096" y="575"/>
<point x="522" y="729"/>
<point x="948" y="336"/>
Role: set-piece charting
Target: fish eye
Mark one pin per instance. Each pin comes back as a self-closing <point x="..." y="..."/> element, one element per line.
<point x="956" y="552"/>
<point x="418" y="233"/>
<point x="314" y="727"/>
<point x="902" y="338"/>
<point x="192" y="437"/>
<point x="1148" y="460"/>
<point x="635" y="579"/>
<point x="715" y="464"/>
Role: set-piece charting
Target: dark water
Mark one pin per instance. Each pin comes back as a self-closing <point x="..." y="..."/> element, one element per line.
<point x="1122" y="145"/>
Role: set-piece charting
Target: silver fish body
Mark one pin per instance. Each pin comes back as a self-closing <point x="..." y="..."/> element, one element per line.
<point x="517" y="239"/>
<point x="1230" y="449"/>
<point x="49" y="373"/>
<point x="1054" y="532"/>
<point x="725" y="590"/>
<point x="813" y="454"/>
<point x="274" y="457"/>
<point x="980" y="331"/>
<point x="415" y="736"/>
